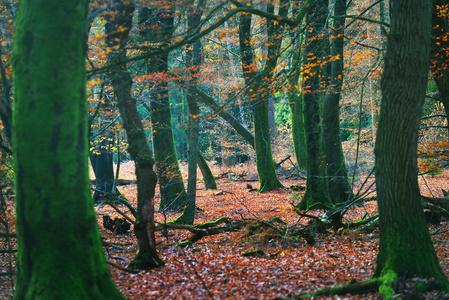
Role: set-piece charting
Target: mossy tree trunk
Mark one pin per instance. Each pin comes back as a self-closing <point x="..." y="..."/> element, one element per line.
<point x="339" y="188"/>
<point x="156" y="27"/>
<point x="59" y="250"/>
<point x="103" y="167"/>
<point x="440" y="56"/>
<point x="405" y="244"/>
<point x="297" y="116"/>
<point x="295" y="98"/>
<point x="208" y="177"/>
<point x="146" y="256"/>
<point x="316" y="195"/>
<point x="193" y="59"/>
<point x="101" y="156"/>
<point x="259" y="90"/>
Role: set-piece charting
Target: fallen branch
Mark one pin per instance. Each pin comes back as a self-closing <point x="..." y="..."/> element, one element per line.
<point x="278" y="165"/>
<point x="387" y="286"/>
<point x="120" y="212"/>
<point x="200" y="232"/>
<point x="120" y="267"/>
<point x="220" y="193"/>
<point x="352" y="287"/>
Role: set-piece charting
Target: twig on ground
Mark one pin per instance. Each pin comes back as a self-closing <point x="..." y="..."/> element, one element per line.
<point x="120" y="267"/>
<point x="120" y="212"/>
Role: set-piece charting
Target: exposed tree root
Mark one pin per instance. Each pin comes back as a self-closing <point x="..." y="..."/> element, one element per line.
<point x="388" y="286"/>
<point x="275" y="228"/>
<point x="352" y="287"/>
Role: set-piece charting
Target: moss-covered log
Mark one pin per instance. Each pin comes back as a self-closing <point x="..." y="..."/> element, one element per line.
<point x="386" y="286"/>
<point x="60" y="254"/>
<point x="210" y="228"/>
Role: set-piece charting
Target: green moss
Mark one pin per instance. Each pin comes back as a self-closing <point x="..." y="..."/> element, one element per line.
<point x="255" y="253"/>
<point x="184" y="244"/>
<point x="145" y="260"/>
<point x="421" y="287"/>
<point x="352" y="287"/>
<point x="389" y="281"/>
<point x="213" y="223"/>
<point x="268" y="179"/>
<point x="315" y="198"/>
<point x="409" y="250"/>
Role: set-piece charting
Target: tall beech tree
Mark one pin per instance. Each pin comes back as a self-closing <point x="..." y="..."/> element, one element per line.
<point x="146" y="256"/>
<point x="339" y="188"/>
<point x="259" y="89"/>
<point x="193" y="63"/>
<point x="59" y="250"/>
<point x="315" y="54"/>
<point x="295" y="99"/>
<point x="405" y="244"/>
<point x="156" y="26"/>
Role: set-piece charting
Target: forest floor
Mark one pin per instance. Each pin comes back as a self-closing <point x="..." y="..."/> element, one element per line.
<point x="214" y="268"/>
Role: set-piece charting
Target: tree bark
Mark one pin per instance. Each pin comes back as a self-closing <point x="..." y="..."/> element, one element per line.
<point x="316" y="195"/>
<point x="146" y="256"/>
<point x="156" y="27"/>
<point x="339" y="188"/>
<point x="405" y="244"/>
<point x="102" y="165"/>
<point x="297" y="116"/>
<point x="193" y="59"/>
<point x="258" y="83"/>
<point x="59" y="251"/>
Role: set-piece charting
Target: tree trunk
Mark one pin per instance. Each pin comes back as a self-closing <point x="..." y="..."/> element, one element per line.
<point x="271" y="118"/>
<point x="258" y="83"/>
<point x="339" y="188"/>
<point x="59" y="250"/>
<point x="208" y="177"/>
<point x="405" y="244"/>
<point x="295" y="98"/>
<point x="103" y="167"/>
<point x="316" y="195"/>
<point x="146" y="257"/>
<point x="157" y="26"/>
<point x="298" y="131"/>
<point x="193" y="59"/>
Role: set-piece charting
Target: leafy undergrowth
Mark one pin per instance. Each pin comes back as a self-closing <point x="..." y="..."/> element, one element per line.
<point x="214" y="268"/>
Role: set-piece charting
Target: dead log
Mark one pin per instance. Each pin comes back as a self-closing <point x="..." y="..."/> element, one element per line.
<point x="201" y="230"/>
<point x="278" y="165"/>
